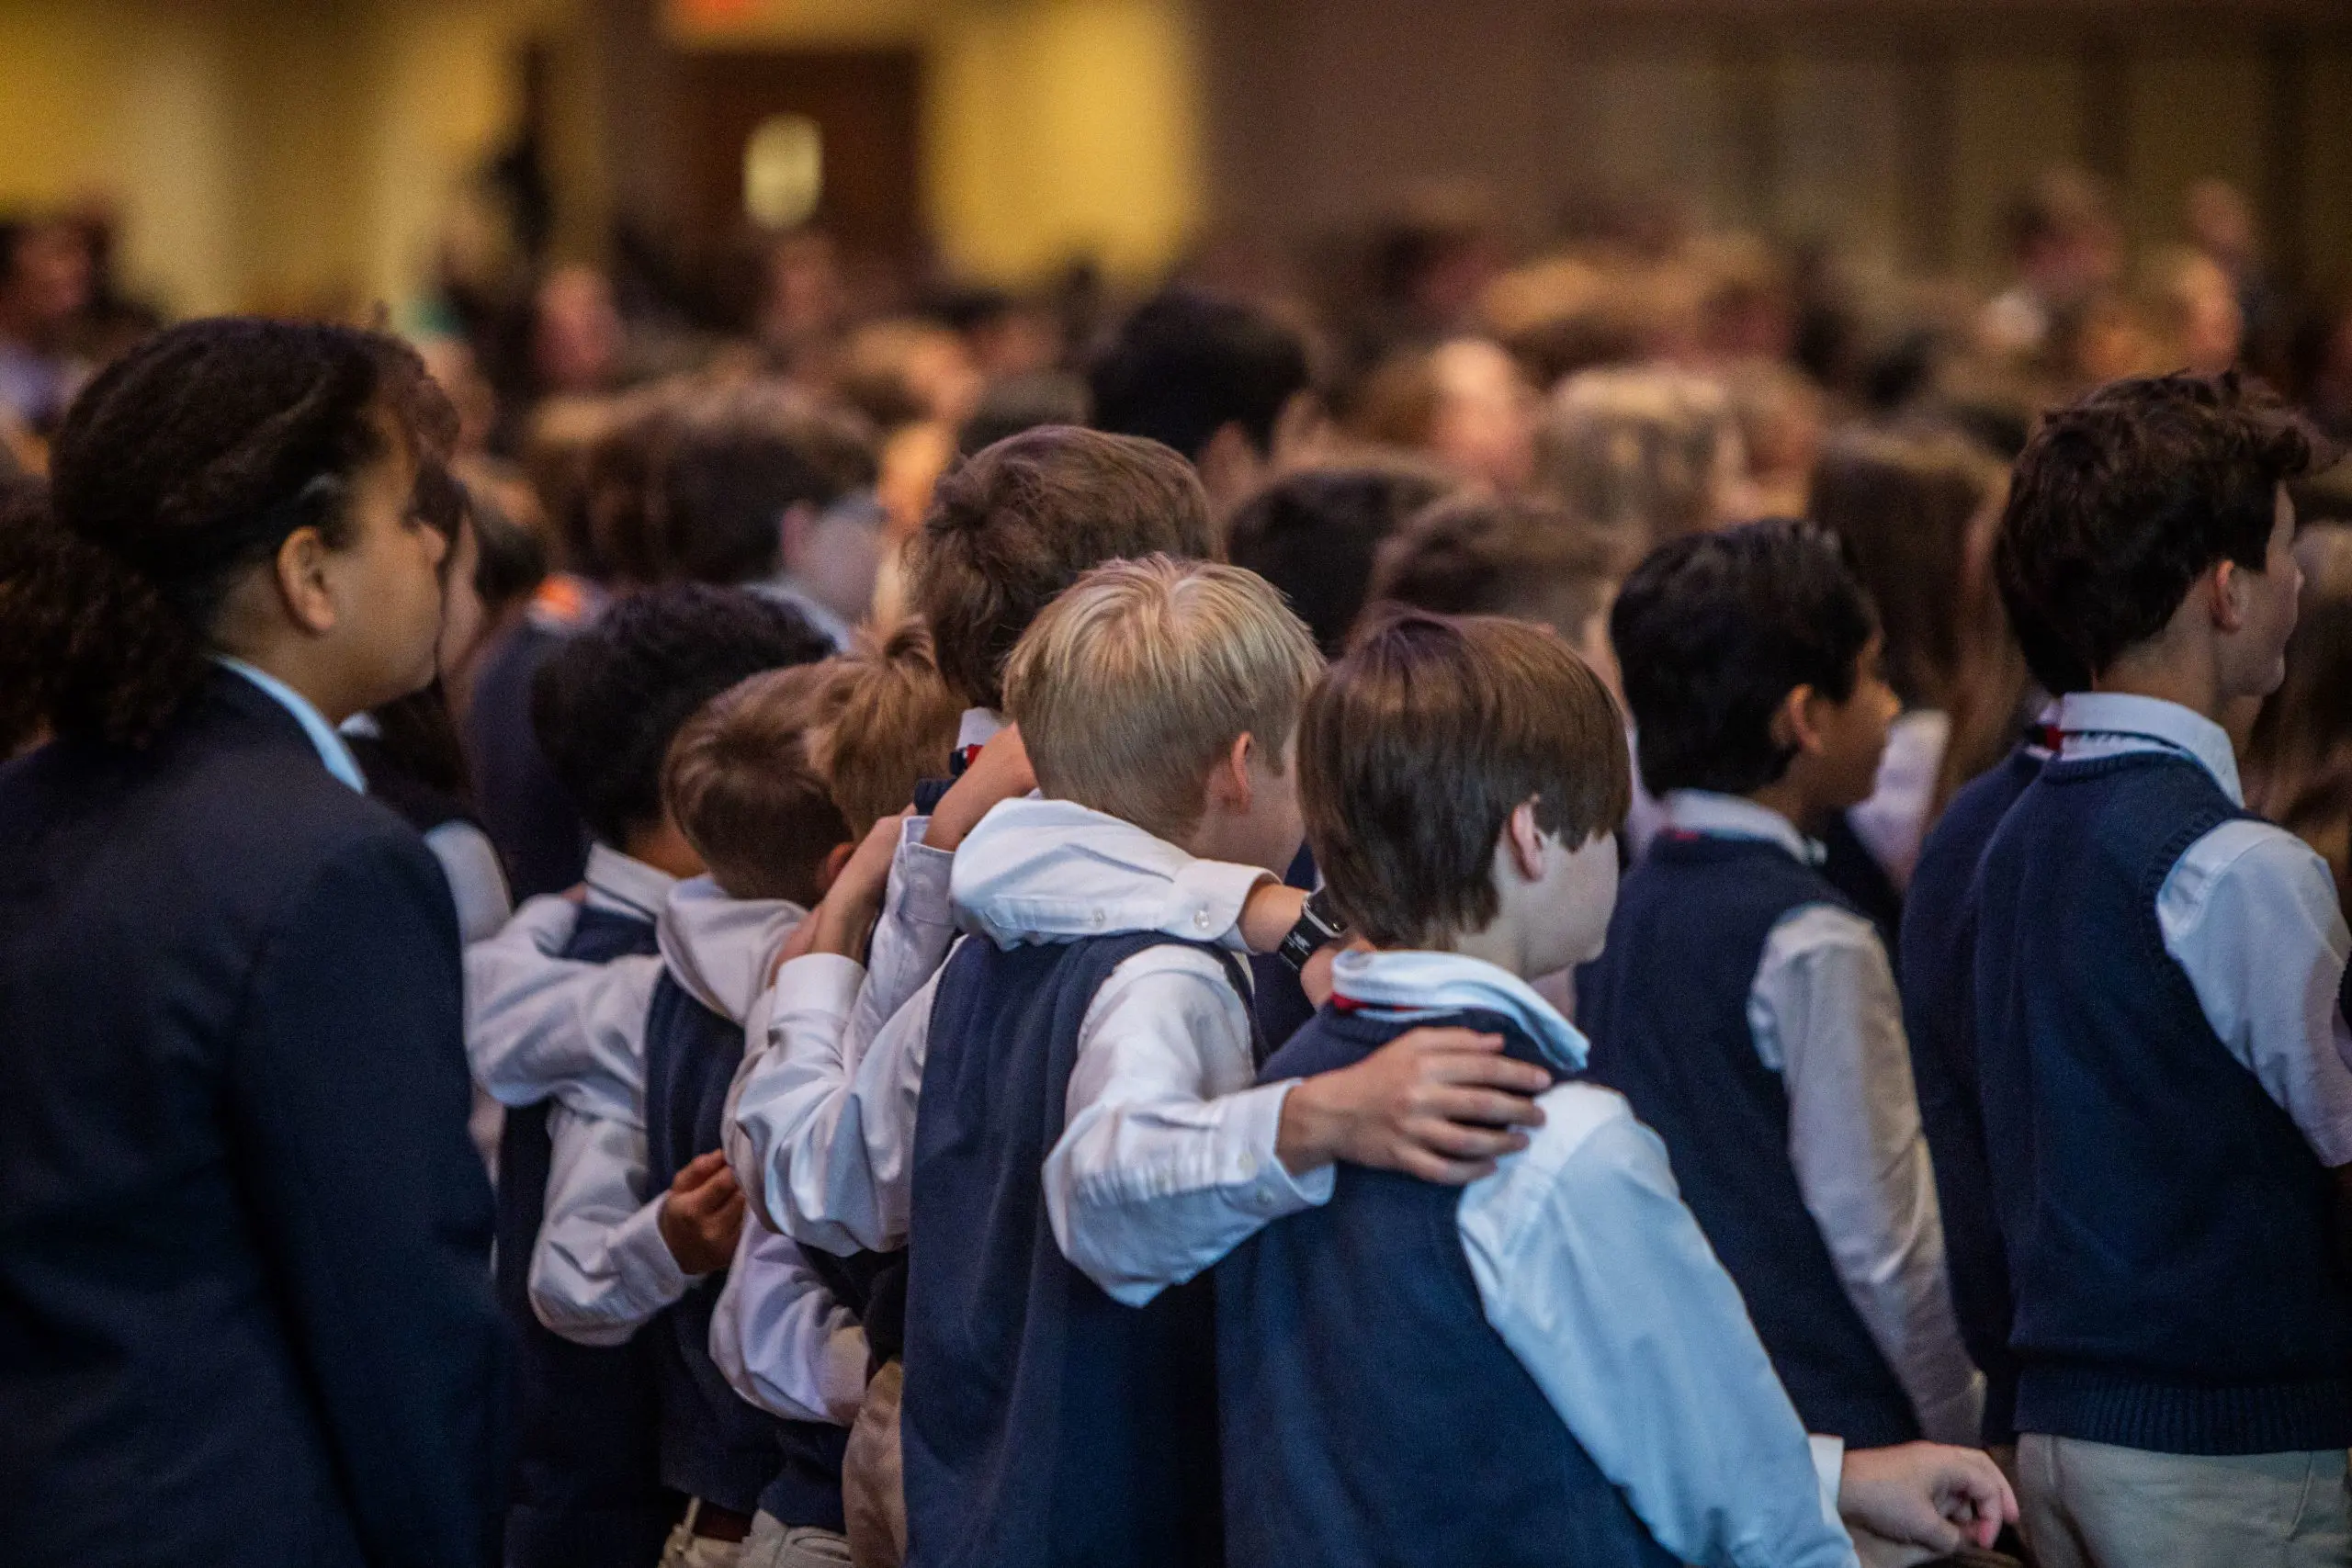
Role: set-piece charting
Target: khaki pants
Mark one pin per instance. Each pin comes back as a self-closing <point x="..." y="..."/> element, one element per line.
<point x="775" y="1544"/>
<point x="874" y="1491"/>
<point x="2095" y="1505"/>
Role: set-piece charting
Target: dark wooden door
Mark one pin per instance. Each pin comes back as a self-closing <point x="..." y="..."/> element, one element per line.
<point x="865" y="105"/>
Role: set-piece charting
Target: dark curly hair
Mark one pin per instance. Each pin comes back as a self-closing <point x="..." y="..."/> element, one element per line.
<point x="1714" y="631"/>
<point x="181" y="465"/>
<point x="1018" y="522"/>
<point x="1187" y="363"/>
<point x="606" y="704"/>
<point x="1314" y="534"/>
<point x="2122" y="500"/>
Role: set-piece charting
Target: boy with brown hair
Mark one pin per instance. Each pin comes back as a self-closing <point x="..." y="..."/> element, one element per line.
<point x="886" y="720"/>
<point x="1518" y="555"/>
<point x="1549" y="1365"/>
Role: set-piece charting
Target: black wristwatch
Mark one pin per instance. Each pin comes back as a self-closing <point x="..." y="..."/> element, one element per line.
<point x="1318" y="926"/>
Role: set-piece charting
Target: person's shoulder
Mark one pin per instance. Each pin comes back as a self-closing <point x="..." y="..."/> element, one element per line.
<point x="1584" y="1126"/>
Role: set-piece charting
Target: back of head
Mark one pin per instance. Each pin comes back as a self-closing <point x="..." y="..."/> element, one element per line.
<point x="887" y="722"/>
<point x="741" y="785"/>
<point x="1133" y="684"/>
<point x="1016" y="524"/>
<point x="1519" y="556"/>
<point x="182" y="465"/>
<point x="1418" y="746"/>
<point x="1646" y="451"/>
<point x="2122" y="500"/>
<point x="1712" y="632"/>
<point x="1905" y="507"/>
<point x="736" y="459"/>
<point x="1313" y="534"/>
<point x="1186" y="364"/>
<point x="1024" y="402"/>
<point x="606" y="704"/>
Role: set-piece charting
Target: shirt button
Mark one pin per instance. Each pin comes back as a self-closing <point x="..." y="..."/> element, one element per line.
<point x="1201" y="919"/>
<point x="1100" y="918"/>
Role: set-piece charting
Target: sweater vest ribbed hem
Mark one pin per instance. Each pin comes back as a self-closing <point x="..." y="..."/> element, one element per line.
<point x="2099" y="1406"/>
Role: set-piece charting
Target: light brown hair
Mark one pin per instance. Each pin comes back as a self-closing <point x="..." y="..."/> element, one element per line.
<point x="1501" y="556"/>
<point x="887" y="721"/>
<point x="1642" y="450"/>
<point x="1418" y="746"/>
<point x="740" y="784"/>
<point x="1133" y="684"/>
<point x="1019" y="521"/>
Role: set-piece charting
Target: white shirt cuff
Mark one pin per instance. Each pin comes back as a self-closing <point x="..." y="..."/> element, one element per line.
<point x="820" y="983"/>
<point x="841" y="1375"/>
<point x="919" y="878"/>
<point x="649" y="1271"/>
<point x="1257" y="1116"/>
<point x="1828" y="1469"/>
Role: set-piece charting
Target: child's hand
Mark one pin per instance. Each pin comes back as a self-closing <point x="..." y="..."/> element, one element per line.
<point x="844" y="919"/>
<point x="1926" y="1494"/>
<point x="703" y="1214"/>
<point x="1000" y="771"/>
<point x="1441" y="1104"/>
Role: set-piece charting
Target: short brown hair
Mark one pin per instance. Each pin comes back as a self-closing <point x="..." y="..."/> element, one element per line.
<point x="1019" y="521"/>
<point x="1132" y="685"/>
<point x="887" y="722"/>
<point x="1501" y="556"/>
<point x="1418" y="746"/>
<point x="1637" y="449"/>
<point x="738" y="784"/>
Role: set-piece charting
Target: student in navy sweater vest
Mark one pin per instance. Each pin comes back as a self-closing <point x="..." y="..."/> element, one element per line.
<point x="762" y="1480"/>
<point x="1414" y="1372"/>
<point x="1089" y="1135"/>
<point x="1750" y="1012"/>
<point x="587" y="1487"/>
<point x="2167" y="1110"/>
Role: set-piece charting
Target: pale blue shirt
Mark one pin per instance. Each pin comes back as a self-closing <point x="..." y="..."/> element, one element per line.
<point x="1596" y="1275"/>
<point x="2249" y="913"/>
<point x="330" y="746"/>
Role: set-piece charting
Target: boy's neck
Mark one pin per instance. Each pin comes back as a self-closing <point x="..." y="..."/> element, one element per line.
<point x="2191" y="683"/>
<point x="1501" y="943"/>
<point x="1788" y="797"/>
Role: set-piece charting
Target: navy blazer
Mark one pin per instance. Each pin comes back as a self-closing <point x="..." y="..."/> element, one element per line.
<point x="245" y="1311"/>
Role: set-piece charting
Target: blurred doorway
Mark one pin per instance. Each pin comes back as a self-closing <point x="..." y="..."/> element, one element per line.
<point x="773" y="137"/>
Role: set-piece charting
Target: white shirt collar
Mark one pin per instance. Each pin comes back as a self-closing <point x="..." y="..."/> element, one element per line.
<point x="720" y="948"/>
<point x="978" y="728"/>
<point x="626" y="886"/>
<point x="1417" y="984"/>
<point x="1735" y="816"/>
<point x="1042" y="870"/>
<point x="2113" y="723"/>
<point x="324" y="740"/>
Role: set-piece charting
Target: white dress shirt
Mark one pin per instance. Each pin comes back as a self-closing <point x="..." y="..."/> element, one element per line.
<point x="1824" y="1015"/>
<point x="2249" y="913"/>
<point x="1599" y="1280"/>
<point x="539" y="1027"/>
<point x="829" y="1141"/>
<point x="1893" y="821"/>
<point x="781" y="1340"/>
<point x="601" y="1269"/>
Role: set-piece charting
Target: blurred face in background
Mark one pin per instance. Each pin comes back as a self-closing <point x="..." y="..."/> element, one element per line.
<point x="45" y="285"/>
<point x="1484" y="424"/>
<point x="576" y="345"/>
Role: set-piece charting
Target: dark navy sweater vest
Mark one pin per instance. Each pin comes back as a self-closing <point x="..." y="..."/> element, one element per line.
<point x="713" y="1444"/>
<point x="1666" y="1006"/>
<point x="587" y="1486"/>
<point x="1937" y="968"/>
<point x="2168" y="1231"/>
<point x="1044" y="1423"/>
<point x="1371" y="1412"/>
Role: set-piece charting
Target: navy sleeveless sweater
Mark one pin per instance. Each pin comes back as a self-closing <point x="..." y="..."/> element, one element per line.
<point x="1371" y="1414"/>
<point x="1936" y="966"/>
<point x="714" y="1445"/>
<point x="587" y="1487"/>
<point x="2169" y="1232"/>
<point x="1666" y="1006"/>
<point x="1044" y="1423"/>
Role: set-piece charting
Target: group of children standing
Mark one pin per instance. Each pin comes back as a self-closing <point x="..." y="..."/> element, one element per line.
<point x="905" y="1158"/>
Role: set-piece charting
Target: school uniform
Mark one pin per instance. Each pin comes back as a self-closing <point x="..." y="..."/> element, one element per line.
<point x="1045" y="1420"/>
<point x="2156" y="972"/>
<point x="1750" y="1016"/>
<point x="602" y="1271"/>
<point x="1937" y="971"/>
<point x="587" y="1490"/>
<point x="1428" y="1374"/>
<point x="244" y="1303"/>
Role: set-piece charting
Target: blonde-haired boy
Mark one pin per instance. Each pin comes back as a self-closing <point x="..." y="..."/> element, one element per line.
<point x="1105" y="1041"/>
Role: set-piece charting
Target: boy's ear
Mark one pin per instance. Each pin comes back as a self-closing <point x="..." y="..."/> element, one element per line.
<point x="2228" y="595"/>
<point x="1525" y="839"/>
<point x="829" y="873"/>
<point x="1793" y="722"/>
<point x="1230" y="787"/>
<point x="301" y="571"/>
